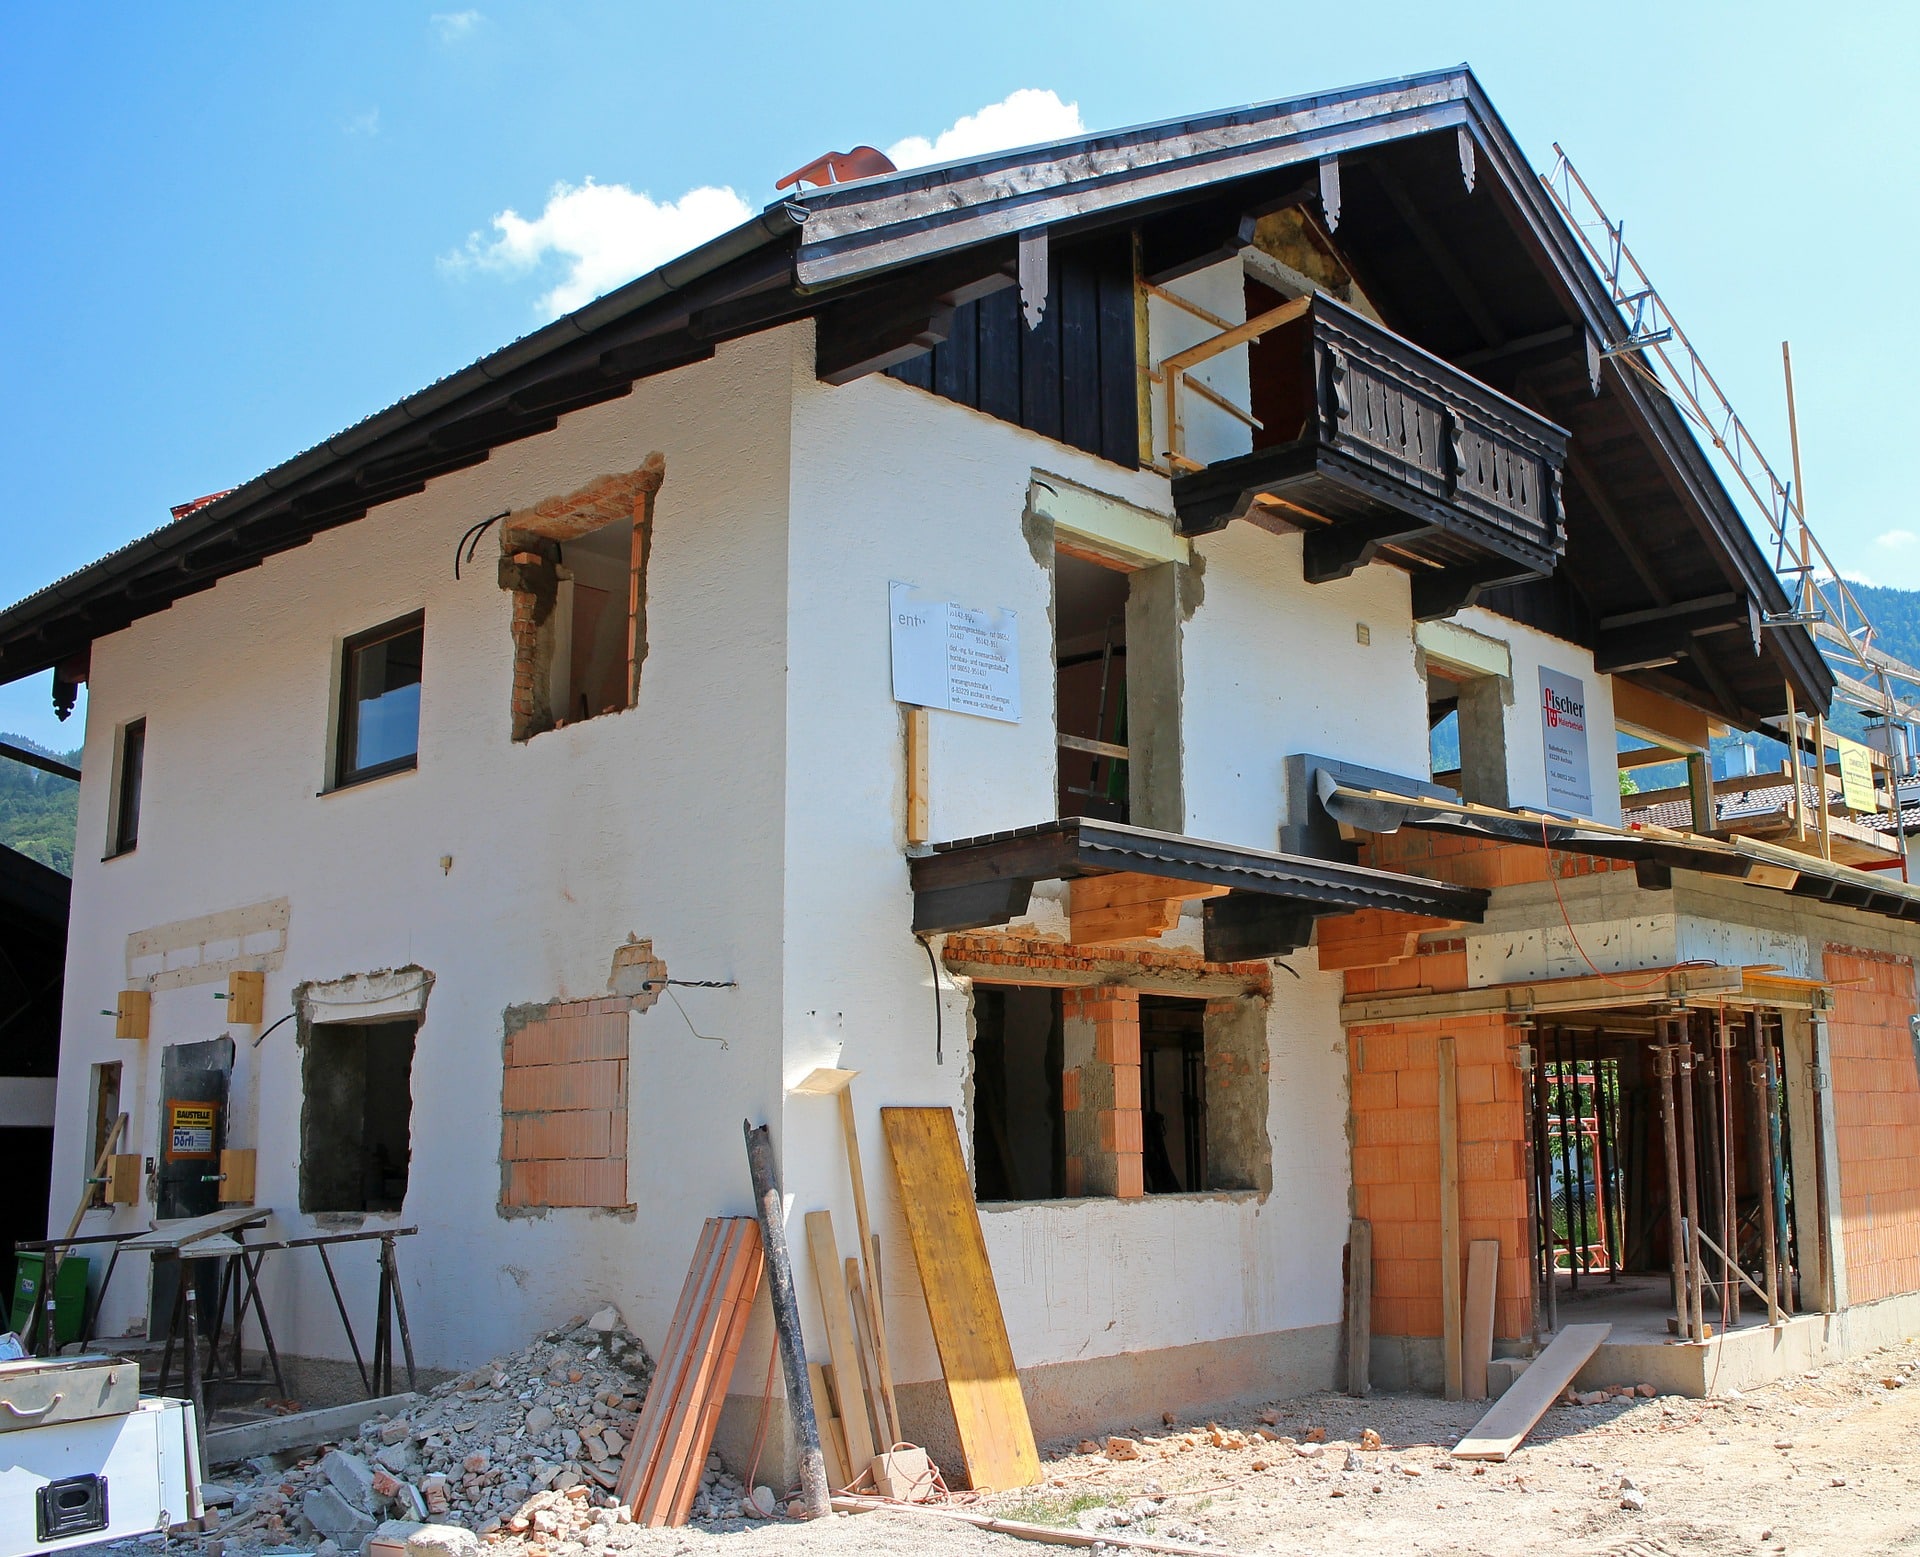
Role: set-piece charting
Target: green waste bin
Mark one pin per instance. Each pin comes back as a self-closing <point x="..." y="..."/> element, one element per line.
<point x="69" y="1294"/>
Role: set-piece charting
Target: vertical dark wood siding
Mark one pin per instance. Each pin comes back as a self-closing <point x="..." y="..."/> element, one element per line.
<point x="1071" y="379"/>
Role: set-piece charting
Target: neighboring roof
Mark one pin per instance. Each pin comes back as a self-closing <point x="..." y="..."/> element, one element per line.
<point x="33" y="895"/>
<point x="1410" y="150"/>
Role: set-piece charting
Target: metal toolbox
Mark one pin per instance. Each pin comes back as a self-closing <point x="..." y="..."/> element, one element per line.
<point x="101" y="1479"/>
<point x="42" y="1391"/>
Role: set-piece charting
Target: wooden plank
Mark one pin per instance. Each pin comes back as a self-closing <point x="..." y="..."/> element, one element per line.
<point x="832" y="1444"/>
<point x="963" y="1306"/>
<point x="673" y="1389"/>
<point x="645" y="1443"/>
<point x="919" y="805"/>
<point x="739" y="1309"/>
<point x="841" y="1347"/>
<point x="870" y="1253"/>
<point x="1359" y="1307"/>
<point x="1449" y="1220"/>
<point x="676" y="1461"/>
<point x="1497" y="1434"/>
<point x="884" y="1435"/>
<point x="1483" y="1269"/>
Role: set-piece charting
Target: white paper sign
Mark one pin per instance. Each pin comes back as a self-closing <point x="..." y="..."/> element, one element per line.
<point x="950" y="656"/>
<point x="1563" y="725"/>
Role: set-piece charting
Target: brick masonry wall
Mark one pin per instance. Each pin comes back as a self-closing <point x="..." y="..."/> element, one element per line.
<point x="1395" y="1080"/>
<point x="1876" y="1110"/>
<point x="563" y="1108"/>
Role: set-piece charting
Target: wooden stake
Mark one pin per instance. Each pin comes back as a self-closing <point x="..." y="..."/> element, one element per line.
<point x="86" y="1190"/>
<point x="1359" y="1307"/>
<point x="919" y="801"/>
<point x="1450" y="1296"/>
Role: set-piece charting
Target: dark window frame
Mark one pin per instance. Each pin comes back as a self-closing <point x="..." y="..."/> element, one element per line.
<point x="345" y="732"/>
<point x="129" y="781"/>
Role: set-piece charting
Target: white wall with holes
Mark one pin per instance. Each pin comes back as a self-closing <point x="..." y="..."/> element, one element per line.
<point x="665" y="820"/>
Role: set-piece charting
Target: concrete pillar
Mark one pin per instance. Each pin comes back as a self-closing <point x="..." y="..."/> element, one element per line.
<point x="1483" y="741"/>
<point x="1155" y="796"/>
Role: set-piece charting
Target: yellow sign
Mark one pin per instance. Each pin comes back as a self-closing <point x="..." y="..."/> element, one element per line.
<point x="1856" y="775"/>
<point x="190" y="1129"/>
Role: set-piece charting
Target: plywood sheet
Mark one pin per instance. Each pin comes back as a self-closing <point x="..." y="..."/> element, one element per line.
<point x="1497" y="1434"/>
<point x="989" y="1410"/>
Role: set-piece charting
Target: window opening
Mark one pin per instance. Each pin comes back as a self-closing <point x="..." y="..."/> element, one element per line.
<point x="1090" y="696"/>
<point x="1173" y="1088"/>
<point x="356" y="1127"/>
<point x="1443" y="730"/>
<point x="126" y="800"/>
<point x="1019" y="1139"/>
<point x="380" y="701"/>
<point x="106" y="1110"/>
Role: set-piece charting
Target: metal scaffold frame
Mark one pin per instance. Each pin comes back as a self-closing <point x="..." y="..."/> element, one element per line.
<point x="1824" y="603"/>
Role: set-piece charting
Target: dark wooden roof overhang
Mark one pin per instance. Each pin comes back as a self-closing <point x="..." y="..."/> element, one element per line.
<point x="1269" y="909"/>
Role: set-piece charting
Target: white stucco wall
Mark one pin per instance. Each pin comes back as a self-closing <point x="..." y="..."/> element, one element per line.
<point x="1526" y="737"/>
<point x="665" y="820"/>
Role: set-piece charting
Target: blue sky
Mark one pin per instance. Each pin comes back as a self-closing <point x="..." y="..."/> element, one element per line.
<point x="239" y="228"/>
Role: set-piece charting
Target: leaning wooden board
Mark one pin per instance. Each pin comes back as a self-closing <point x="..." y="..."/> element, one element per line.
<point x="1497" y="1434"/>
<point x="989" y="1411"/>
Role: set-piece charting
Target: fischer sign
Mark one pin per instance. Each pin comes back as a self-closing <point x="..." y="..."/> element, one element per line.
<point x="1563" y="726"/>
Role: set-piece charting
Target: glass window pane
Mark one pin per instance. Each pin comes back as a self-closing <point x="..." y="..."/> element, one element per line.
<point x="385" y="715"/>
<point x="133" y="758"/>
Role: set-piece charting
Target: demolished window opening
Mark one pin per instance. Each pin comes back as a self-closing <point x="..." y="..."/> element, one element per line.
<point x="356" y="1124"/>
<point x="1173" y="1093"/>
<point x="576" y="567"/>
<point x="106" y="1111"/>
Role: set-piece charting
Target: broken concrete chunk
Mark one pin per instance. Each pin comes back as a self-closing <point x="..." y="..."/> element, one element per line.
<point x="351" y="1476"/>
<point x="539" y="1419"/>
<point x="335" y="1518"/>
<point x="606" y="1321"/>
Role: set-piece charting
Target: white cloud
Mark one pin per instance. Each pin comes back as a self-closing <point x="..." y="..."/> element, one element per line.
<point x="455" y="25"/>
<point x="1019" y="119"/>
<point x="367" y="124"/>
<point x="605" y="234"/>
<point x="1895" y="540"/>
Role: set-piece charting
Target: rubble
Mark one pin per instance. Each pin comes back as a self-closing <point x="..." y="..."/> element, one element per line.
<point x="530" y="1442"/>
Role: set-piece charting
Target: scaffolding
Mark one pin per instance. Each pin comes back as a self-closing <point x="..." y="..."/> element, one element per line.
<point x="1658" y="349"/>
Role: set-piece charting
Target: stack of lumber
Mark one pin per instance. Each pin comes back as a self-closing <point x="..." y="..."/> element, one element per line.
<point x="675" y="1431"/>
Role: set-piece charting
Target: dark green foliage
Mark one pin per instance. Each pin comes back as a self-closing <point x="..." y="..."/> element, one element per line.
<point x="37" y="810"/>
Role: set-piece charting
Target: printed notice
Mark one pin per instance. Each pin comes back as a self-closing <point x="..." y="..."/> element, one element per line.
<point x="1856" y="776"/>
<point x="954" y="657"/>
<point x="1563" y="725"/>
<point x="190" y="1129"/>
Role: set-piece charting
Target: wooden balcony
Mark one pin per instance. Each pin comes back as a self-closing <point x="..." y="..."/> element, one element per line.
<point x="1378" y="451"/>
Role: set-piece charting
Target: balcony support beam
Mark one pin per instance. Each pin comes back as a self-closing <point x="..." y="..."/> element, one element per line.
<point x="1339" y="550"/>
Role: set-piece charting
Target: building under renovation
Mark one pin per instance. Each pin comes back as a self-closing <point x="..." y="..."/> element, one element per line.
<point x="1136" y="641"/>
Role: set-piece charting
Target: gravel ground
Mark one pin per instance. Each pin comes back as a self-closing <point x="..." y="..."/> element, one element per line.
<point x="1823" y="1463"/>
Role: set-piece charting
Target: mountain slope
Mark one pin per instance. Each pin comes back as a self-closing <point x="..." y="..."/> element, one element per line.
<point x="37" y="810"/>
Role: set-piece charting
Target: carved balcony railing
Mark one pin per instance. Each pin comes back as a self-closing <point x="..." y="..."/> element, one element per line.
<point x="1378" y="450"/>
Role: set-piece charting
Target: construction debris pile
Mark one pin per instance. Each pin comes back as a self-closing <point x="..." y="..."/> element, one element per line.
<point x="533" y="1442"/>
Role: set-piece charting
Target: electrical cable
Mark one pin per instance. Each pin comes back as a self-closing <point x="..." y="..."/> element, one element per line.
<point x="1553" y="879"/>
<point x="939" y="1036"/>
<point x="281" y="1023"/>
<point x="703" y="1037"/>
<point x="471" y="540"/>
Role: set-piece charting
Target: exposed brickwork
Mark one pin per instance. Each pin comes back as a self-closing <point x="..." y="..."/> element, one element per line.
<point x="1107" y="963"/>
<point x="1876" y="1112"/>
<point x="1100" y="1028"/>
<point x="1395" y="1099"/>
<point x="563" y="1107"/>
<point x="1476" y="862"/>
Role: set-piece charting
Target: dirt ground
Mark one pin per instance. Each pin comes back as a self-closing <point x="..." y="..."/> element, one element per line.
<point x="1824" y="1463"/>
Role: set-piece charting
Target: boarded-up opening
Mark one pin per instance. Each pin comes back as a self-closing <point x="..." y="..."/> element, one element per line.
<point x="563" y="1106"/>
